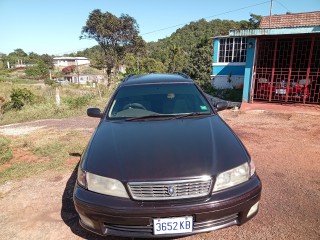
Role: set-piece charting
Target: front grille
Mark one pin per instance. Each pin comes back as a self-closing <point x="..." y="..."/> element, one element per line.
<point x="215" y="224"/>
<point x="198" y="227"/>
<point x="169" y="190"/>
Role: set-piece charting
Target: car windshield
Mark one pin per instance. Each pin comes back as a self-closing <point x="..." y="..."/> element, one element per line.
<point x="158" y="100"/>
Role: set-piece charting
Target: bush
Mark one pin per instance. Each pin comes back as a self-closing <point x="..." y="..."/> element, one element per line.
<point x="41" y="70"/>
<point x="78" y="102"/>
<point x="21" y="96"/>
<point x="234" y="95"/>
<point x="49" y="82"/>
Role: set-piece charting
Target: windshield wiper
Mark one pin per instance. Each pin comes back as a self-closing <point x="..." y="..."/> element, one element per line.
<point x="151" y="116"/>
<point x="193" y="114"/>
<point x="168" y="116"/>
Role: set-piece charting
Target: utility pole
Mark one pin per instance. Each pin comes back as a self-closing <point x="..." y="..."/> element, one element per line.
<point x="270" y="13"/>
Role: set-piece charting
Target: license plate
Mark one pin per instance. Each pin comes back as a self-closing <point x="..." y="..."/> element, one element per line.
<point x="172" y="225"/>
<point x="281" y="91"/>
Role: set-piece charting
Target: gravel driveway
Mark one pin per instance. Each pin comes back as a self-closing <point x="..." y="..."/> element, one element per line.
<point x="284" y="146"/>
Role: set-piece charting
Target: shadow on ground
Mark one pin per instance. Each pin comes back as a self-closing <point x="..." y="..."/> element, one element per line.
<point x="70" y="216"/>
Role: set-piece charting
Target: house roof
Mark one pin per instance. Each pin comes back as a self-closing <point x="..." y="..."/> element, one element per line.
<point x="70" y="58"/>
<point x="291" y="20"/>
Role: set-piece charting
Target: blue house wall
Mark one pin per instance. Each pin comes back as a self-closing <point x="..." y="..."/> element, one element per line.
<point x="288" y="41"/>
<point x="225" y="69"/>
<point x="228" y="69"/>
<point x="233" y="74"/>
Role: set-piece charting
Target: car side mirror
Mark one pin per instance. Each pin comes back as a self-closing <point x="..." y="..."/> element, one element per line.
<point x="221" y="105"/>
<point x="94" y="112"/>
<point x="218" y="103"/>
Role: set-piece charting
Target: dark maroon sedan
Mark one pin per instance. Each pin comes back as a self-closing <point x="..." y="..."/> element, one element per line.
<point x="162" y="163"/>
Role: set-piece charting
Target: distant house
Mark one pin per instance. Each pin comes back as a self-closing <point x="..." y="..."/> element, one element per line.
<point x="84" y="78"/>
<point x="61" y="62"/>
<point x="278" y="62"/>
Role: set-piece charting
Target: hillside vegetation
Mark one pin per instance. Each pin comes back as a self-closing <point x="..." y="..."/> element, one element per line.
<point x="188" y="50"/>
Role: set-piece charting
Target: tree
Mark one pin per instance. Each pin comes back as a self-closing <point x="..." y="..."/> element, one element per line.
<point x="135" y="65"/>
<point x="254" y="20"/>
<point x="17" y="56"/>
<point x="115" y="35"/>
<point x="200" y="64"/>
<point x="174" y="52"/>
<point x="47" y="59"/>
<point x="19" y="53"/>
<point x="39" y="71"/>
<point x="149" y="65"/>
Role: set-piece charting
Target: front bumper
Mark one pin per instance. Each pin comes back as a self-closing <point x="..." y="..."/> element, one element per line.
<point x="106" y="215"/>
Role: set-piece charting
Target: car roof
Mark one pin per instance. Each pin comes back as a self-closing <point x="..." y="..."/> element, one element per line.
<point x="156" y="78"/>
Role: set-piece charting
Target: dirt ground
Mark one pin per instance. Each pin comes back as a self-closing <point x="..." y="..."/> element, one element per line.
<point x="285" y="146"/>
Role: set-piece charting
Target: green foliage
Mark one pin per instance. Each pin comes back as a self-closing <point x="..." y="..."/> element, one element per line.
<point x="190" y="48"/>
<point x="233" y="95"/>
<point x="19" y="56"/>
<point x="5" y="151"/>
<point x="78" y="102"/>
<point x="149" y="65"/>
<point x="89" y="70"/>
<point x="40" y="70"/>
<point x="175" y="58"/>
<point x="254" y="21"/>
<point x="44" y="103"/>
<point x="49" y="82"/>
<point x="199" y="67"/>
<point x="137" y="65"/>
<point x="95" y="54"/>
<point x="21" y="96"/>
<point x="115" y="36"/>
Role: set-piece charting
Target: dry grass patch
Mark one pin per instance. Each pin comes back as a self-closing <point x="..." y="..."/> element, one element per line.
<point x="42" y="151"/>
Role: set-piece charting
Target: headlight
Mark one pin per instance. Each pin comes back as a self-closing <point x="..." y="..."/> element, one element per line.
<point x="107" y="186"/>
<point x="233" y="177"/>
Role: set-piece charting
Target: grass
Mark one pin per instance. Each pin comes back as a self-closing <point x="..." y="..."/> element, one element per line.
<point x="45" y="151"/>
<point x="17" y="80"/>
<point x="74" y="101"/>
<point x="5" y="151"/>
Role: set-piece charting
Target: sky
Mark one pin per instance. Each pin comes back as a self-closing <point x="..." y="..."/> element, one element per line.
<point x="54" y="27"/>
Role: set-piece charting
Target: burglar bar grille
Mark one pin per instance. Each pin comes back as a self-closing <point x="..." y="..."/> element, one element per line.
<point x="292" y="77"/>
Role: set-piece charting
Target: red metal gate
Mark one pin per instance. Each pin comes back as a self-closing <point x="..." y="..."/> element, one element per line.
<point x="287" y="69"/>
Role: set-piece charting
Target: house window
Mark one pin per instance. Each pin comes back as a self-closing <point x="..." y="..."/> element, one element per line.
<point x="232" y="50"/>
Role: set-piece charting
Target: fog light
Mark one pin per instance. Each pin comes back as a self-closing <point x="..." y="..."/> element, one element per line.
<point x="253" y="209"/>
<point x="86" y="221"/>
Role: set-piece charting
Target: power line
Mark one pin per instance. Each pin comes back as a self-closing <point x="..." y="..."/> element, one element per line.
<point x="235" y="10"/>
<point x="282" y="5"/>
<point x="182" y="24"/>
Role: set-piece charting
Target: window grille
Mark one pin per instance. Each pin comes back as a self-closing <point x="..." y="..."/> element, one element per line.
<point x="232" y="50"/>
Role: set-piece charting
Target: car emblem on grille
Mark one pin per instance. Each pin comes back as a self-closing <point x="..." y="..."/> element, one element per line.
<point x="171" y="190"/>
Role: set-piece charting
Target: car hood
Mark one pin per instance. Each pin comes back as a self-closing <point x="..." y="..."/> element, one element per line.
<point x="163" y="150"/>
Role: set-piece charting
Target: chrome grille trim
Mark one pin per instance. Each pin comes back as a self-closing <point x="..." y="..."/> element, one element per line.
<point x="192" y="188"/>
